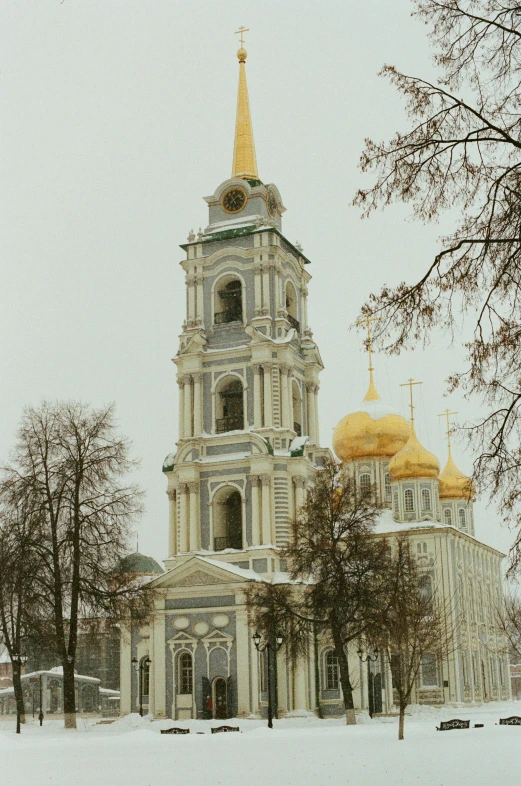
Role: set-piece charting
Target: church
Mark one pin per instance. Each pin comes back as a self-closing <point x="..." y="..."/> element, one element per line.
<point x="248" y="448"/>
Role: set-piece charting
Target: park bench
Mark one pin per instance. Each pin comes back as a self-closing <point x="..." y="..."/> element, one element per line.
<point x="453" y="724"/>
<point x="175" y="730"/>
<point x="514" y="720"/>
<point x="218" y="729"/>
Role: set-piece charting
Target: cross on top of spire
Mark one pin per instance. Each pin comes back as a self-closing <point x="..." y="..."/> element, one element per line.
<point x="409" y="384"/>
<point x="446" y="414"/>
<point x="240" y="32"/>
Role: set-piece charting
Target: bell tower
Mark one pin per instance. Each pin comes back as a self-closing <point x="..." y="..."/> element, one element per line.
<point x="247" y="370"/>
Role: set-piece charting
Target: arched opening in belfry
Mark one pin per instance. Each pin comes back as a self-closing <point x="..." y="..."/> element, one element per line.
<point x="229" y="414"/>
<point x="227" y="515"/>
<point x="297" y="409"/>
<point x="228" y="301"/>
<point x="291" y="306"/>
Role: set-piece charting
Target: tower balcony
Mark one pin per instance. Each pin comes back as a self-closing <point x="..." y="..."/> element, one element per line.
<point x="293" y="322"/>
<point x="229" y="423"/>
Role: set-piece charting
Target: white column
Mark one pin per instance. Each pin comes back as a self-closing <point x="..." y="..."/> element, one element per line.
<point x="258" y="294"/>
<point x="194" y="518"/>
<point x="268" y="411"/>
<point x="181" y="407"/>
<point x="257" y="408"/>
<point x="311" y="411"/>
<point x="266" y="509"/>
<point x="300" y="483"/>
<point x="183" y="515"/>
<point x="242" y="641"/>
<point x="125" y="668"/>
<point x="198" y="405"/>
<point x="172" y="522"/>
<point x="200" y="306"/>
<point x="255" y="511"/>
<point x="187" y="405"/>
<point x="190" y="281"/>
<point x="265" y="289"/>
<point x="284" y="371"/>
<point x="299" y="685"/>
<point x="304" y="317"/>
<point x="315" y="409"/>
<point x="290" y="400"/>
<point x="158" y="681"/>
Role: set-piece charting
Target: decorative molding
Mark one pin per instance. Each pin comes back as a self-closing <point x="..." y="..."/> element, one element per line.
<point x="197" y="577"/>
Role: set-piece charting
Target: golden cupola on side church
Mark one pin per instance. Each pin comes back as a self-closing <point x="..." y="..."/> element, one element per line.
<point x="413" y="461"/>
<point x="453" y="483"/>
<point x="374" y="431"/>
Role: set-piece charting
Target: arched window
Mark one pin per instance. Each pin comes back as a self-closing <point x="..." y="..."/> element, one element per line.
<point x="408" y="500"/>
<point x="364" y="479"/>
<point x="186" y="673"/>
<point x="291" y="306"/>
<point x="297" y="408"/>
<point x="228" y="301"/>
<point x="426" y="590"/>
<point x="331" y="670"/>
<point x="462" y="517"/>
<point x="387" y="487"/>
<point x="227" y="513"/>
<point x="396" y="505"/>
<point x="229" y="406"/>
<point x="426" y="499"/>
<point x="447" y="515"/>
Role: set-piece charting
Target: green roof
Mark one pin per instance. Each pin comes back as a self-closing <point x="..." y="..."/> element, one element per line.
<point x="140" y="564"/>
<point x="227" y="234"/>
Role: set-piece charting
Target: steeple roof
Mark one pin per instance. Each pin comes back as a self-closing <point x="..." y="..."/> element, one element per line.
<point x="244" y="159"/>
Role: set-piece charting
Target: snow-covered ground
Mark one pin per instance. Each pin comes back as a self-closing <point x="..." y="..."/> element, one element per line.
<point x="298" y="752"/>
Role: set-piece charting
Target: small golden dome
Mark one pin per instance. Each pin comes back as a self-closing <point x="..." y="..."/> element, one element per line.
<point x="453" y="483"/>
<point x="375" y="431"/>
<point x="242" y="54"/>
<point x="414" y="461"/>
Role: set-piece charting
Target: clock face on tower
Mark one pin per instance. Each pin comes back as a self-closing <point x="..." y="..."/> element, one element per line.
<point x="234" y="200"/>
<point x="272" y="204"/>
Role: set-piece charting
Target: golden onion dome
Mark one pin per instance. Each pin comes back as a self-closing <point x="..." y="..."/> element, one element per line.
<point x="414" y="461"/>
<point x="453" y="483"/>
<point x="374" y="431"/>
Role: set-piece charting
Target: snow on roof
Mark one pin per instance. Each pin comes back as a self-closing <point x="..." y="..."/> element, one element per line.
<point x="244" y="573"/>
<point x="4" y="655"/>
<point x="57" y="671"/>
<point x="376" y="409"/>
<point x="386" y="524"/>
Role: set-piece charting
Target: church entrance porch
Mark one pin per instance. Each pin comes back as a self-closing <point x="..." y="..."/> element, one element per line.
<point x="220" y="698"/>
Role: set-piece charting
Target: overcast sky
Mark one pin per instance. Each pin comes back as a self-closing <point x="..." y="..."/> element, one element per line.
<point x="117" y="118"/>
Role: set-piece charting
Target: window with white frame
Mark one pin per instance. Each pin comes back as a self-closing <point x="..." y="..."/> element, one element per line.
<point x="365" y="483"/>
<point x="429" y="670"/>
<point x="387" y="487"/>
<point x="331" y="670"/>
<point x="462" y="517"/>
<point x="186" y="673"/>
<point x="447" y="515"/>
<point x="408" y="500"/>
<point x="426" y="499"/>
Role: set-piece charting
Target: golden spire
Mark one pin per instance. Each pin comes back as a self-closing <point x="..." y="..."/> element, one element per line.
<point x="372" y="393"/>
<point x="244" y="160"/>
<point x="413" y="460"/>
<point x="453" y="483"/>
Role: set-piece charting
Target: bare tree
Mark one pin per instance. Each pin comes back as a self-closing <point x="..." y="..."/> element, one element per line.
<point x="414" y="624"/>
<point x="69" y="462"/>
<point x="19" y="603"/>
<point x="338" y="570"/>
<point x="463" y="152"/>
<point x="508" y="619"/>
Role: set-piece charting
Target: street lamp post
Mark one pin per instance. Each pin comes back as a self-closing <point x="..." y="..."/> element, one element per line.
<point x="370" y="685"/>
<point x="270" y="648"/>
<point x="140" y="667"/>
<point x="40" y="714"/>
<point x="18" y="661"/>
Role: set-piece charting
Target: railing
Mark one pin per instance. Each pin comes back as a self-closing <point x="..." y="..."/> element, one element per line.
<point x="231" y="423"/>
<point x="228" y="542"/>
<point x="297" y="428"/>
<point x="294" y="323"/>
<point x="230" y="315"/>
